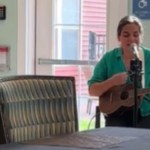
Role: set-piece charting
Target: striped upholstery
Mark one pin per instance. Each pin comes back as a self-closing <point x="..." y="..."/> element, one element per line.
<point x="37" y="106"/>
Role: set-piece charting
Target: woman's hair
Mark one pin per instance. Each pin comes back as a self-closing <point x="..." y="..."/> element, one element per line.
<point x="129" y="20"/>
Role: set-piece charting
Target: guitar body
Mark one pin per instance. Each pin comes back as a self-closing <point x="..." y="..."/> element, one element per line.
<point x="118" y="96"/>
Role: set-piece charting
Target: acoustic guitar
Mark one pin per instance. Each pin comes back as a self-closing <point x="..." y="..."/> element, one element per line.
<point x="119" y="96"/>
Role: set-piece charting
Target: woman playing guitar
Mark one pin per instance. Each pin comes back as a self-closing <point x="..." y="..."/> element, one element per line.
<point x="111" y="79"/>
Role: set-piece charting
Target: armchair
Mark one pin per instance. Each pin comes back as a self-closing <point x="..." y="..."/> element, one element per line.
<point x="33" y="107"/>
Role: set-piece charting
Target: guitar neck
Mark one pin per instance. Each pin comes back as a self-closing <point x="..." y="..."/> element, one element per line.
<point x="140" y="94"/>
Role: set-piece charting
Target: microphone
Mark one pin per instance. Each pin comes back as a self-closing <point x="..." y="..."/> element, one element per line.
<point x="135" y="50"/>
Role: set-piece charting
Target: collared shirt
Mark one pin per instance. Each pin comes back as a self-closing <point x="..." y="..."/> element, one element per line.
<point x="112" y="63"/>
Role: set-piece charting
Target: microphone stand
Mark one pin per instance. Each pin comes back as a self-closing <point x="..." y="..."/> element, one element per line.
<point x="135" y="68"/>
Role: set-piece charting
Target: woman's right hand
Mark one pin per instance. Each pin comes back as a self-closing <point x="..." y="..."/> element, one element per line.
<point x="119" y="79"/>
<point x="99" y="88"/>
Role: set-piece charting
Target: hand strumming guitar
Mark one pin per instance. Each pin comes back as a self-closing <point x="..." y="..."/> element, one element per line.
<point x="119" y="79"/>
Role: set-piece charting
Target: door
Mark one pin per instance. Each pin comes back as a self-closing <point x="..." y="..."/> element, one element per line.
<point x="70" y="39"/>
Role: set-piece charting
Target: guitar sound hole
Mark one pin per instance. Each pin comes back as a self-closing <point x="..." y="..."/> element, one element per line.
<point x="124" y="95"/>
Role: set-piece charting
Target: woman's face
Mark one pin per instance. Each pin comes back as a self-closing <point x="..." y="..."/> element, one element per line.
<point x="130" y="34"/>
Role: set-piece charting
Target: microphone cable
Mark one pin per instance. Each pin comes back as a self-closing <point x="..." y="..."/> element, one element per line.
<point x="94" y="116"/>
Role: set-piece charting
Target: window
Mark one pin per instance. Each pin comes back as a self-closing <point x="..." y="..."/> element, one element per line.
<point x="73" y="23"/>
<point x="67" y="32"/>
<point x="80" y="34"/>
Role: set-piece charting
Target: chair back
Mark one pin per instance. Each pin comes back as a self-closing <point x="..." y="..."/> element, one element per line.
<point x="33" y="107"/>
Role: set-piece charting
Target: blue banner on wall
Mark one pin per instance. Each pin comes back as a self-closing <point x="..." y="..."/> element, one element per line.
<point x="141" y="8"/>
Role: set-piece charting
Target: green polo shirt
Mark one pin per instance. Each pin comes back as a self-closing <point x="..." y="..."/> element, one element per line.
<point x="112" y="63"/>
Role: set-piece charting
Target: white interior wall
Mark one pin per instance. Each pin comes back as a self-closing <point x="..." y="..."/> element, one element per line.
<point x="26" y="37"/>
<point x="34" y="35"/>
<point x="21" y="37"/>
<point x="44" y="34"/>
